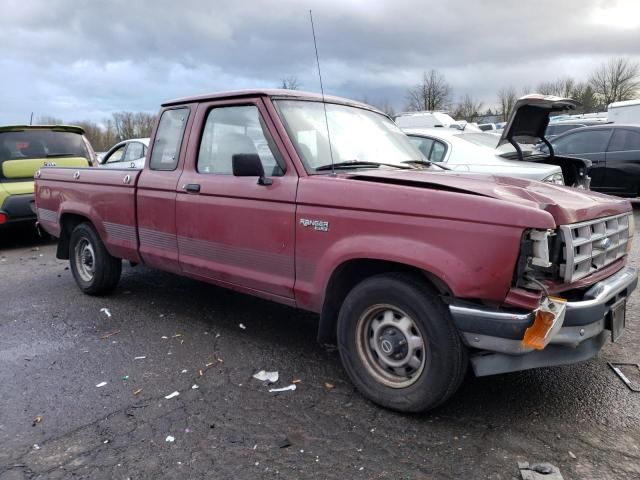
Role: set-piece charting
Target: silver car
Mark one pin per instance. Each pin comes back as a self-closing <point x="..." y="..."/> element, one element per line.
<point x="126" y="154"/>
<point x="475" y="152"/>
<point x="514" y="153"/>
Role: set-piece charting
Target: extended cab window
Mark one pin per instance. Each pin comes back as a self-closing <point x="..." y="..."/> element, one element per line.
<point x="166" y="146"/>
<point x="229" y="131"/>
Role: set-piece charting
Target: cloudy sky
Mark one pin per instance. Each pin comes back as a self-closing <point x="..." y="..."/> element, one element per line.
<point x="86" y="59"/>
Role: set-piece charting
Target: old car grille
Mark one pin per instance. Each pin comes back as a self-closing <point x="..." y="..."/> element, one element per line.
<point x="591" y="245"/>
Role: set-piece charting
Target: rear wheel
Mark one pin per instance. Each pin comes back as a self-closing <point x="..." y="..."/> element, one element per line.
<point x="398" y="344"/>
<point x="95" y="271"/>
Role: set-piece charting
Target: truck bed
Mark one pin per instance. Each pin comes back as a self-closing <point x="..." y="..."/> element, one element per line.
<point x="108" y="196"/>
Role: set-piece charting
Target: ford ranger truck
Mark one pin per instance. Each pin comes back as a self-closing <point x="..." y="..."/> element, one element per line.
<point x="325" y="205"/>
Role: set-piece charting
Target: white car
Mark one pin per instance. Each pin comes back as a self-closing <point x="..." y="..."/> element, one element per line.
<point x="512" y="154"/>
<point x="126" y="154"/>
<point x="475" y="152"/>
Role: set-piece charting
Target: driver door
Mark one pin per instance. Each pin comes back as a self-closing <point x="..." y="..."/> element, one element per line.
<point x="232" y="230"/>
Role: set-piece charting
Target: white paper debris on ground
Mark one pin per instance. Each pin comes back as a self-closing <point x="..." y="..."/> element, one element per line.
<point x="241" y="325"/>
<point x="171" y="395"/>
<point x="169" y="438"/>
<point x="140" y="358"/>
<point x="101" y="384"/>
<point x="184" y="371"/>
<point x="271" y="377"/>
<point x="36" y="446"/>
<point x="283" y="389"/>
<point x="194" y="386"/>
<point x="164" y="337"/>
<point x="106" y="311"/>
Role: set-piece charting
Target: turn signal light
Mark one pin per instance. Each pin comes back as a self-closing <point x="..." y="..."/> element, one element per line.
<point x="549" y="318"/>
<point x="535" y="335"/>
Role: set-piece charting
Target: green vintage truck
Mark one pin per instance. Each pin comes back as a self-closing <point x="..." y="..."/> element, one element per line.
<point x="26" y="148"/>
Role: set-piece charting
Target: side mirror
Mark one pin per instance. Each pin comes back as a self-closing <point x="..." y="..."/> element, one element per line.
<point x="249" y="165"/>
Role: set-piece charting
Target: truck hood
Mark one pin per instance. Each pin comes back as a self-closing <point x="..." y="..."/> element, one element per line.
<point x="565" y="204"/>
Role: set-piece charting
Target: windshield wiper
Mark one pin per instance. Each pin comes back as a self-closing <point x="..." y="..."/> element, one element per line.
<point x="426" y="163"/>
<point x="358" y="164"/>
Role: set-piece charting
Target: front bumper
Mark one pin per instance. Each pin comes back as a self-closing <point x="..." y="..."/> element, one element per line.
<point x="496" y="335"/>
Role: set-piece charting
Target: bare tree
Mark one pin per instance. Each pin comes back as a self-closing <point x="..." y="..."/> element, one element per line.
<point x="383" y="106"/>
<point x="133" y="125"/>
<point x="468" y="109"/>
<point x="562" y="87"/>
<point x="290" y="83"/>
<point x="387" y="108"/>
<point x="507" y="99"/>
<point x="48" y="120"/>
<point x="432" y="94"/>
<point x="616" y="80"/>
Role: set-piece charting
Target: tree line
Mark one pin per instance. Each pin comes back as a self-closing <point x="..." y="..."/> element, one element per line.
<point x="121" y="126"/>
<point x="613" y="81"/>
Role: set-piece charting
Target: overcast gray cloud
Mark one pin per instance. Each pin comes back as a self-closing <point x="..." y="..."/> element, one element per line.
<point x="85" y="59"/>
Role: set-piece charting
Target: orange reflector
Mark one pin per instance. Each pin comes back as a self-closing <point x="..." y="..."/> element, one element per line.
<point x="535" y="335"/>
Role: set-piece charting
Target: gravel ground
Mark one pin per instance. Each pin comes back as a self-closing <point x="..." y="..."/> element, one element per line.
<point x="57" y="345"/>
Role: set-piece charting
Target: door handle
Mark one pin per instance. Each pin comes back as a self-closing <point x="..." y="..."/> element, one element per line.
<point x="192" y="188"/>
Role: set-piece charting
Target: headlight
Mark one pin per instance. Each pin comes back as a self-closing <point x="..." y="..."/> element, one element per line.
<point x="540" y="247"/>
<point x="556" y="179"/>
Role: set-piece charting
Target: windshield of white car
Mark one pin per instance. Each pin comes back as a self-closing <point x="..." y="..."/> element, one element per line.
<point x="359" y="137"/>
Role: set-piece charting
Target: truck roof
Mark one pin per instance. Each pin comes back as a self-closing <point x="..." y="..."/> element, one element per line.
<point x="57" y="128"/>
<point x="269" y="92"/>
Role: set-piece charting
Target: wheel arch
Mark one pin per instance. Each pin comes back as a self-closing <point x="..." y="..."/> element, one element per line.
<point x="351" y="272"/>
<point x="68" y="221"/>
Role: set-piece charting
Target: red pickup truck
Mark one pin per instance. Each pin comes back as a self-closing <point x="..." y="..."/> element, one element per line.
<point x="327" y="206"/>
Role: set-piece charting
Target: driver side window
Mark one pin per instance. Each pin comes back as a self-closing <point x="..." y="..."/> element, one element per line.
<point x="231" y="131"/>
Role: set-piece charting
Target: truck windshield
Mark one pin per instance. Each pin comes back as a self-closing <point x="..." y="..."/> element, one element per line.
<point x="359" y="137"/>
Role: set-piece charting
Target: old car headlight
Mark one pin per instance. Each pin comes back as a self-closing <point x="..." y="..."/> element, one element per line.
<point x="556" y="179"/>
<point x="540" y="247"/>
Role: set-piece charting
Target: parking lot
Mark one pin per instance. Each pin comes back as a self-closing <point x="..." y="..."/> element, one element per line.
<point x="57" y="345"/>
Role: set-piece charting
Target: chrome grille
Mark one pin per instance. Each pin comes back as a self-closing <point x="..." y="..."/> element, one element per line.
<point x="591" y="245"/>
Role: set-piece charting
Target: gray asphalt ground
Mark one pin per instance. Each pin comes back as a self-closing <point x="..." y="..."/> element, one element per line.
<point x="56" y="345"/>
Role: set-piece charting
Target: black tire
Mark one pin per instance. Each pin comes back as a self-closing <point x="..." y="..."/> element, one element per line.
<point x="407" y="297"/>
<point x="95" y="271"/>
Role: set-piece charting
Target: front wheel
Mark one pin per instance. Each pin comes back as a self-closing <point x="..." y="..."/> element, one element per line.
<point x="95" y="271"/>
<point x="398" y="344"/>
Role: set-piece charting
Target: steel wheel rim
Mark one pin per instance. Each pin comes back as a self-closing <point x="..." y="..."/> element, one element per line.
<point x="85" y="260"/>
<point x="391" y="346"/>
